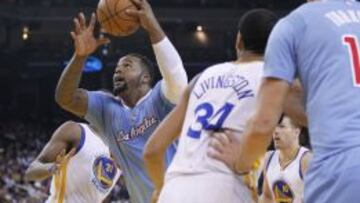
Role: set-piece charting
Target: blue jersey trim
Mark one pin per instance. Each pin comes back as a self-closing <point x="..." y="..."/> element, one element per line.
<point x="268" y="163"/>
<point x="82" y="140"/>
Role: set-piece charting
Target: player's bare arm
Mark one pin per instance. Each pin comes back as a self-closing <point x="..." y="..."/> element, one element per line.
<point x="305" y="161"/>
<point x="257" y="135"/>
<point x="58" y="150"/>
<point x="156" y="147"/>
<point x="294" y="105"/>
<point x="168" y="59"/>
<point x="68" y="94"/>
<point x="164" y="135"/>
<point x="224" y="145"/>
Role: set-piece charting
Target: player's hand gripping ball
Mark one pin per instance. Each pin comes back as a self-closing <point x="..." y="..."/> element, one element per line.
<point x="113" y="18"/>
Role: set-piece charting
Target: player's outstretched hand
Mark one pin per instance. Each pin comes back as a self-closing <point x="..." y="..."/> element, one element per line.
<point x="61" y="159"/>
<point x="224" y="146"/>
<point x="83" y="36"/>
<point x="145" y="15"/>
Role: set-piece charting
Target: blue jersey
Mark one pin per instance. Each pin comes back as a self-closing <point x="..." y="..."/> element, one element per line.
<point x="320" y="43"/>
<point x="126" y="131"/>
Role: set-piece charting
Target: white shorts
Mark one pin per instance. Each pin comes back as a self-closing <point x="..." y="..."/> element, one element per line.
<point x="209" y="188"/>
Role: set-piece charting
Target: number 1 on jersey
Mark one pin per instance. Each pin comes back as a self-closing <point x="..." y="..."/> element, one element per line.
<point x="207" y="120"/>
<point x="352" y="43"/>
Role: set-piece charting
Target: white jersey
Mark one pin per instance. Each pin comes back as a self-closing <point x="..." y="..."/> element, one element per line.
<point x="224" y="96"/>
<point x="286" y="185"/>
<point x="88" y="176"/>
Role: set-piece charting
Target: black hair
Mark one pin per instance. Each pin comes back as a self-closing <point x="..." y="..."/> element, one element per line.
<point x="146" y="64"/>
<point x="255" y="27"/>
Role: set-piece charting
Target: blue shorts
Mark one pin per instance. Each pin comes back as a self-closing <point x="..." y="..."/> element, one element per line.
<point x="334" y="180"/>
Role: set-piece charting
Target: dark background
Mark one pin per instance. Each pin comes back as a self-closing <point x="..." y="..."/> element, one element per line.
<point x="29" y="69"/>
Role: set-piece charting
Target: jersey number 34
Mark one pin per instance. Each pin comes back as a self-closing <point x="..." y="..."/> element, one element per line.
<point x="208" y="119"/>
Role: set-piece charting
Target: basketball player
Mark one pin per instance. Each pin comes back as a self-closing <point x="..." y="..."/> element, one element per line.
<point x="320" y="43"/>
<point x="286" y="166"/>
<point x="128" y="117"/>
<point x="85" y="174"/>
<point x="222" y="97"/>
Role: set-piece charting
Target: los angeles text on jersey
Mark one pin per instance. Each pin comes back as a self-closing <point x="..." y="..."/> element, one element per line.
<point x="237" y="82"/>
<point x="137" y="130"/>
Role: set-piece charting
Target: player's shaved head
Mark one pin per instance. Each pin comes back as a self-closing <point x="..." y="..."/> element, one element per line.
<point x="255" y="27"/>
<point x="146" y="64"/>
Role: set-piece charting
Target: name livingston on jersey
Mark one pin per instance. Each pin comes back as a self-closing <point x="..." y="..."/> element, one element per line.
<point x="237" y="82"/>
<point x="137" y="130"/>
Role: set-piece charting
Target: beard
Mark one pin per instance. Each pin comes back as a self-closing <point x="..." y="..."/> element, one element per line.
<point x="120" y="89"/>
<point x="132" y="84"/>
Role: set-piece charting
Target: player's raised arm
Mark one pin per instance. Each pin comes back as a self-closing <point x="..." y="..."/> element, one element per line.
<point x="164" y="135"/>
<point x="167" y="57"/>
<point x="57" y="151"/>
<point x="68" y="94"/>
<point x="257" y="136"/>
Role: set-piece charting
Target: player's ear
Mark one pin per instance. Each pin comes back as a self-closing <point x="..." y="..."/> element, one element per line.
<point x="146" y="78"/>
<point x="297" y="131"/>
<point x="239" y="44"/>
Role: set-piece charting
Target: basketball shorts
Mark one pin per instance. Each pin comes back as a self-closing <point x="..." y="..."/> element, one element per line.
<point x="336" y="179"/>
<point x="209" y="188"/>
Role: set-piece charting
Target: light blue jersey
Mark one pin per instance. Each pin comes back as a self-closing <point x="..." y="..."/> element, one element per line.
<point x="320" y="43"/>
<point x="126" y="132"/>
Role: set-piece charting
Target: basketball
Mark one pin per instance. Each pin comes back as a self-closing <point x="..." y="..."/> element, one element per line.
<point x="113" y="18"/>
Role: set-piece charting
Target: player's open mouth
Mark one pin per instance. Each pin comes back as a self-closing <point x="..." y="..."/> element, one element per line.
<point x="119" y="82"/>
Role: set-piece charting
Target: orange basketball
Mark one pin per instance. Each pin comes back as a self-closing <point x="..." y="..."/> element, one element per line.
<point x="113" y="19"/>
